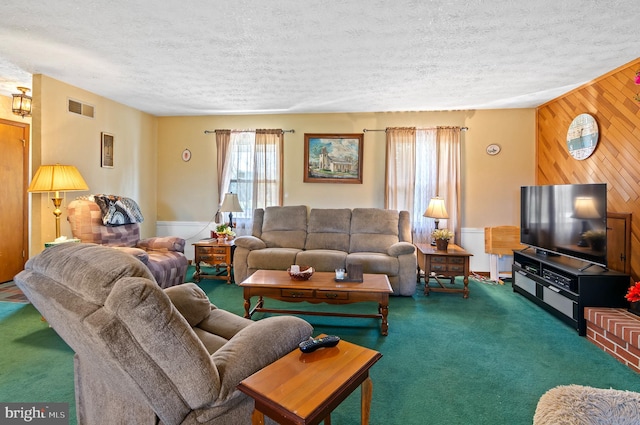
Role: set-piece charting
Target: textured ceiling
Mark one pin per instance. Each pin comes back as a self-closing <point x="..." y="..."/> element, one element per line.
<point x="289" y="56"/>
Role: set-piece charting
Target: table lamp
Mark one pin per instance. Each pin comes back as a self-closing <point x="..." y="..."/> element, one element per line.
<point x="57" y="178"/>
<point x="230" y="204"/>
<point x="436" y="209"/>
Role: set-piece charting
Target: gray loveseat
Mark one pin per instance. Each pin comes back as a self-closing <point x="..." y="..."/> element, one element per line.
<point x="327" y="239"/>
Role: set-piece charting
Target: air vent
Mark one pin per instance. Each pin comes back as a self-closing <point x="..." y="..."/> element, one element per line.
<point x="80" y="108"/>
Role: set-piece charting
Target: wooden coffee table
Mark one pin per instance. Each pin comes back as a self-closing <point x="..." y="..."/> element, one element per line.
<point x="322" y="287"/>
<point x="304" y="388"/>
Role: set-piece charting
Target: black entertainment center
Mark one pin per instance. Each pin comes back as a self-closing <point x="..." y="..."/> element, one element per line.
<point x="557" y="284"/>
<point x="564" y="269"/>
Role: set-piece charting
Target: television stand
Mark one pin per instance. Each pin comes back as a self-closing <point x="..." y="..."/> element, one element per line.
<point x="560" y="286"/>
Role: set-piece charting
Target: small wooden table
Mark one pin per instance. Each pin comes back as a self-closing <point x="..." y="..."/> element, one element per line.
<point x="322" y="287"/>
<point x="443" y="264"/>
<point x="215" y="254"/>
<point x="304" y="388"/>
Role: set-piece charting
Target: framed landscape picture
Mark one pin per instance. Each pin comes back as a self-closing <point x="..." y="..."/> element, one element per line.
<point x="106" y="160"/>
<point x="333" y="158"/>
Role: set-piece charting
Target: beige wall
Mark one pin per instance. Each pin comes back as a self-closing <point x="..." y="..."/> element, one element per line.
<point x="188" y="190"/>
<point x="59" y="136"/>
<point x="149" y="166"/>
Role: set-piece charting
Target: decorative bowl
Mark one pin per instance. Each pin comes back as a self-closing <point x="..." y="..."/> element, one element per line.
<point x="305" y="273"/>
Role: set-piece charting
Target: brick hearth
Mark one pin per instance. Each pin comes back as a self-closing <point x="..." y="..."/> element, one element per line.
<point x="617" y="332"/>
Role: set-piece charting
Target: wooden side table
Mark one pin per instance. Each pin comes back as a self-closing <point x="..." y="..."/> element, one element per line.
<point x="304" y="388"/>
<point x="443" y="264"/>
<point x="215" y="254"/>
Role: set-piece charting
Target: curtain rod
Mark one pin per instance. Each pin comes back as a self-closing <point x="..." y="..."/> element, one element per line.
<point x="213" y="131"/>
<point x="427" y="128"/>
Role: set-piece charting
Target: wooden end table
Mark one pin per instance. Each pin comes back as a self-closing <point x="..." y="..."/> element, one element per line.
<point x="321" y="288"/>
<point x="215" y="254"/>
<point x="443" y="264"/>
<point x="304" y="388"/>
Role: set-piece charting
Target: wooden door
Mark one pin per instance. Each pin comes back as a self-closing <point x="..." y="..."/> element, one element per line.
<point x="619" y="241"/>
<point x="14" y="150"/>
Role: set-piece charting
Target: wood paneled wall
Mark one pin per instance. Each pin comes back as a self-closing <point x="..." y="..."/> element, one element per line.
<point x="616" y="160"/>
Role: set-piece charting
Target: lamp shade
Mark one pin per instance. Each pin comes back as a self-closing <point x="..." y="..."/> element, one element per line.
<point x="230" y="203"/>
<point x="57" y="178"/>
<point x="436" y="209"/>
<point x="584" y="208"/>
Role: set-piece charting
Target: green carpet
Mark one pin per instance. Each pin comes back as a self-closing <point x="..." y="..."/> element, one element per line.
<point x="446" y="360"/>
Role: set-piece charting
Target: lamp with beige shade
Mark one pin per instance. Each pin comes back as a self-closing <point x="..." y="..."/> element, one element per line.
<point x="57" y="178"/>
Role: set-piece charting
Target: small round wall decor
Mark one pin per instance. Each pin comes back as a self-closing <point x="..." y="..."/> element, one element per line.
<point x="186" y="155"/>
<point x="493" y="149"/>
<point x="582" y="136"/>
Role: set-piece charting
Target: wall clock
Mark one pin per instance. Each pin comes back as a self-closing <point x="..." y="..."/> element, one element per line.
<point x="493" y="149"/>
<point x="186" y="155"/>
<point x="582" y="136"/>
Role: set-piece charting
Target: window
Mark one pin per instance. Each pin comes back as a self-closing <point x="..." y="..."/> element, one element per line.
<point x="421" y="164"/>
<point x="251" y="168"/>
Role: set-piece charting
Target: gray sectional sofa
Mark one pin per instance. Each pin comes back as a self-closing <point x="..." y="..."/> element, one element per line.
<point x="327" y="239"/>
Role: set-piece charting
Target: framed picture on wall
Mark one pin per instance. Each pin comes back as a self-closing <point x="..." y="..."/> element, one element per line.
<point x="333" y="158"/>
<point x="106" y="157"/>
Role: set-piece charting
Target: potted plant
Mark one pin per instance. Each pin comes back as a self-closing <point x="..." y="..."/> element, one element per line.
<point x="442" y="236"/>
<point x="595" y="238"/>
<point x="633" y="296"/>
<point x="224" y="231"/>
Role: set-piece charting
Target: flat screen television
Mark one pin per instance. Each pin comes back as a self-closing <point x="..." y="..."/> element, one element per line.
<point x="569" y="220"/>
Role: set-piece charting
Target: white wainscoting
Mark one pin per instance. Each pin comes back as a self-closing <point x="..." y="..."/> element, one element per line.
<point x="191" y="231"/>
<point x="472" y="240"/>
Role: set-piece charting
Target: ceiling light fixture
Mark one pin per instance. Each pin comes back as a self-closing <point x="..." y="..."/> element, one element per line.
<point x="22" y="103"/>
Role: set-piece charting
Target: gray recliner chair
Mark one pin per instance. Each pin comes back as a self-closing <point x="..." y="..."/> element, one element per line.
<point x="144" y="355"/>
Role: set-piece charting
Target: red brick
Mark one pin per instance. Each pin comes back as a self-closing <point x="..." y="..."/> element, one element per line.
<point x="627" y="355"/>
<point x="615" y="339"/>
<point x="634" y="367"/>
<point x="616" y="332"/>
<point x="605" y="342"/>
<point x="634" y="350"/>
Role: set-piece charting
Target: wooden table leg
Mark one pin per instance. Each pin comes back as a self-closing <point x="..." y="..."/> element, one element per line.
<point x="327" y="420"/>
<point x="257" y="418"/>
<point x="465" y="291"/>
<point x="365" y="404"/>
<point x="384" y="311"/>
<point x="247" y="307"/>
<point x="196" y="275"/>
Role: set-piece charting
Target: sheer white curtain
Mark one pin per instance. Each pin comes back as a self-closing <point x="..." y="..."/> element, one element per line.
<point x="449" y="176"/>
<point x="252" y="170"/>
<point x="421" y="164"/>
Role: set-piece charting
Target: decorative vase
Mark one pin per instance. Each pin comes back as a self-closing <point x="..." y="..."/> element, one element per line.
<point x="635" y="308"/>
<point x="229" y="237"/>
<point x="442" y="244"/>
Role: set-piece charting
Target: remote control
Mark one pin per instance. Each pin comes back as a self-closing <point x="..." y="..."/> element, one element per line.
<point x="311" y="344"/>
